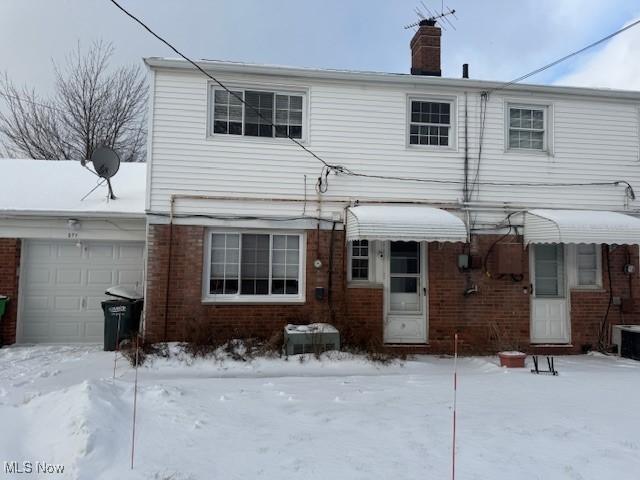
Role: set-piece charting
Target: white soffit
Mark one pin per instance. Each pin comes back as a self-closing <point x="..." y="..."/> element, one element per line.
<point x="580" y="226"/>
<point x="404" y="223"/>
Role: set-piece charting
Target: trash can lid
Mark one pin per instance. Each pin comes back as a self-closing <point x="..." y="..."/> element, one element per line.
<point x="119" y="291"/>
<point x="4" y="297"/>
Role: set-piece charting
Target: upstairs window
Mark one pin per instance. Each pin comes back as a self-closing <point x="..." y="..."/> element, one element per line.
<point x="430" y="123"/>
<point x="255" y="113"/>
<point x="527" y="128"/>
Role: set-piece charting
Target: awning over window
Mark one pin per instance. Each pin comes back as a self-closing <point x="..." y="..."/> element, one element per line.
<point x="404" y="222"/>
<point x="580" y="226"/>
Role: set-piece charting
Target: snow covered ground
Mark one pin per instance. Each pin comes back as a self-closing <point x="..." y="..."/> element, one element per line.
<point x="335" y="418"/>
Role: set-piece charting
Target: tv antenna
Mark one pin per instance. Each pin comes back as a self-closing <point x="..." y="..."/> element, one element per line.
<point x="433" y="17"/>
<point x="106" y="164"/>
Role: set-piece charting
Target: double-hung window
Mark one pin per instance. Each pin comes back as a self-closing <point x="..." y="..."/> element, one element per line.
<point x="256" y="113"/>
<point x="430" y="123"/>
<point x="588" y="271"/>
<point x="253" y="266"/>
<point x="359" y="255"/>
<point x="527" y="127"/>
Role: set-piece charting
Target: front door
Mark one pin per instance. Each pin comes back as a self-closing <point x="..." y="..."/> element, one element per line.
<point x="405" y="293"/>
<point x="549" y="315"/>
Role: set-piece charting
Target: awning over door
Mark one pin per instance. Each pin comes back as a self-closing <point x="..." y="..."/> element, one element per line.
<point x="404" y="222"/>
<point x="580" y="226"/>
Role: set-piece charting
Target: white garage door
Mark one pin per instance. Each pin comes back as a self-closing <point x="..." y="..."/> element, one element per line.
<point x="63" y="284"/>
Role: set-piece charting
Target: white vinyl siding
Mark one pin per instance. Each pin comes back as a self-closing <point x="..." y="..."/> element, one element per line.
<point x="254" y="266"/>
<point x="527" y="127"/>
<point x="364" y="126"/>
<point x="256" y="113"/>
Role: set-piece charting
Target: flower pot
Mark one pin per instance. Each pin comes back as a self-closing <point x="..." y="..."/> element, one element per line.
<point x="512" y="359"/>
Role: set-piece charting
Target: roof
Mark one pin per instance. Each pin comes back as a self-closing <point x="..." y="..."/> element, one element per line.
<point x="580" y="226"/>
<point x="57" y="187"/>
<point x="381" y="77"/>
<point x="404" y="223"/>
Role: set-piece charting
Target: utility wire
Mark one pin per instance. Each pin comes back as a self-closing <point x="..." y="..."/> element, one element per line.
<point x="235" y="95"/>
<point x="27" y="100"/>
<point x="322" y="184"/>
<point x="566" y="57"/>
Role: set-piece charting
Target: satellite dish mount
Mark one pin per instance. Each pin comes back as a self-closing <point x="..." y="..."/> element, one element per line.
<point x="106" y="164"/>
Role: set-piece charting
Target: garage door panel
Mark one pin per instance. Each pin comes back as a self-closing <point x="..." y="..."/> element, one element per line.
<point x="63" y="285"/>
<point x="36" y="303"/>
<point x="129" y="252"/>
<point x="94" y="302"/>
<point x="68" y="277"/>
<point x="38" y="276"/>
<point x="130" y="278"/>
<point x="99" y="277"/>
<point x="101" y="252"/>
<point x="62" y="303"/>
<point x="68" y="251"/>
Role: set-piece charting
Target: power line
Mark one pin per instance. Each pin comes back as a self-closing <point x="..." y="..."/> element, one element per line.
<point x="33" y="102"/>
<point x="337" y="169"/>
<point x="235" y="95"/>
<point x="566" y="57"/>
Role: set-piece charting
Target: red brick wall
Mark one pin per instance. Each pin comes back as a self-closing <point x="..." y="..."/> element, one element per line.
<point x="495" y="317"/>
<point x="9" y="267"/>
<point x="185" y="308"/>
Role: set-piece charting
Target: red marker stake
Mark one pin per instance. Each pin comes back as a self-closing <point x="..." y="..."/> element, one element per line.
<point x="455" y="386"/>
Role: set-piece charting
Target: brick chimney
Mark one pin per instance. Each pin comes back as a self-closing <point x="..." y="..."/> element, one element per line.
<point x="425" y="49"/>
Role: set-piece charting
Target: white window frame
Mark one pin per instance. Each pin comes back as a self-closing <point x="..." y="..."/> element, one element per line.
<point x="573" y="255"/>
<point x="453" y="121"/>
<point x="276" y="90"/>
<point x="371" y="263"/>
<point x="547" y="118"/>
<point x="239" y="298"/>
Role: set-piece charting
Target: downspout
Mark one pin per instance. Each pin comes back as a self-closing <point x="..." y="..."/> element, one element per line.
<point x="168" y="279"/>
<point x="330" y="280"/>
<point x="465" y="194"/>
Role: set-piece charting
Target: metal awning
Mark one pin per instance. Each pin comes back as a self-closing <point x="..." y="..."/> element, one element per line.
<point x="404" y="222"/>
<point x="580" y="226"/>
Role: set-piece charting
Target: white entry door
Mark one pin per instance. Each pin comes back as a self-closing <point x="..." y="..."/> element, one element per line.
<point x="549" y="312"/>
<point x="63" y="283"/>
<point x="405" y="293"/>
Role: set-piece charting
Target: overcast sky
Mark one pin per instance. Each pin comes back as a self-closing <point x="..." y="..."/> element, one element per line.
<point x="500" y="39"/>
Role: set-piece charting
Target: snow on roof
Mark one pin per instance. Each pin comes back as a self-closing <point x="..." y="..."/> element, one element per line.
<point x="47" y="186"/>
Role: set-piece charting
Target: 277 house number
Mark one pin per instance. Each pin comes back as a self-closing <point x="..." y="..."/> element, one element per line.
<point x="72" y="235"/>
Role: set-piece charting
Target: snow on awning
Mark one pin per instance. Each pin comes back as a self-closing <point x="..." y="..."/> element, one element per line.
<point x="580" y="226"/>
<point x="404" y="222"/>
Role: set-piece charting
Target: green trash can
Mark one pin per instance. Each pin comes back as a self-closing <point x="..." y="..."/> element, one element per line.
<point x="3" y="305"/>
<point x="121" y="321"/>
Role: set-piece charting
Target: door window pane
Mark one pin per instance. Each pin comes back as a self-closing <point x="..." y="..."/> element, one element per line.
<point x="405" y="257"/>
<point x="549" y="270"/>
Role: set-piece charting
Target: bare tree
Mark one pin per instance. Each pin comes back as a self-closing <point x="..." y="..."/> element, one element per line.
<point x="92" y="105"/>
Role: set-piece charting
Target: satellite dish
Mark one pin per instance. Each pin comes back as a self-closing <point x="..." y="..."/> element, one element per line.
<point x="106" y="162"/>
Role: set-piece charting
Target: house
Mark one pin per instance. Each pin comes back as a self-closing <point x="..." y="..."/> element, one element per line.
<point x="62" y="243"/>
<point x="505" y="213"/>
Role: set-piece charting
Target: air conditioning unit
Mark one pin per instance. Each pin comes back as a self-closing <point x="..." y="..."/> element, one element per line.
<point x="627" y="339"/>
<point x="313" y="338"/>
